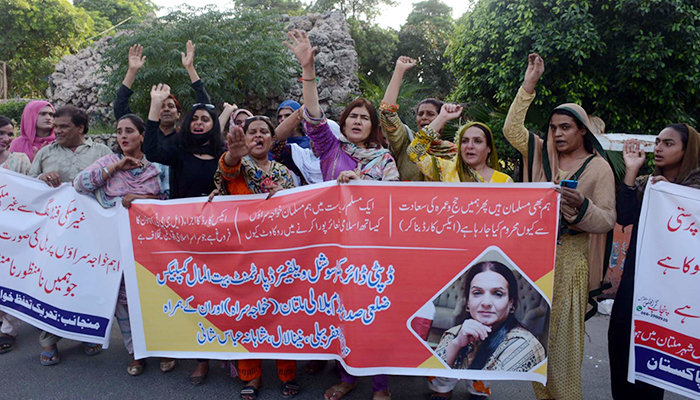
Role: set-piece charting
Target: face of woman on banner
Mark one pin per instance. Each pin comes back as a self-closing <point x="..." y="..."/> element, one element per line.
<point x="669" y="149"/>
<point x="488" y="298"/>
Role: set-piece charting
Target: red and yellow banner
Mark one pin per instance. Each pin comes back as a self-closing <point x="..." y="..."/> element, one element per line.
<point x="369" y="274"/>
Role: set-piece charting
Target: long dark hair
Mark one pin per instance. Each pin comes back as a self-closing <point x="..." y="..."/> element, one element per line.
<point x="5" y="121"/>
<point x="495" y="338"/>
<point x="682" y="130"/>
<point x="375" y="136"/>
<point x="190" y="142"/>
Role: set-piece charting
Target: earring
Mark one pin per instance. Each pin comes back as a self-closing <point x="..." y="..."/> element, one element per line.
<point x="467" y="308"/>
<point x="512" y="309"/>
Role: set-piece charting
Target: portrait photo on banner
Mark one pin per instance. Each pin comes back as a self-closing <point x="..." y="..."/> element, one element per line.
<point x="491" y="316"/>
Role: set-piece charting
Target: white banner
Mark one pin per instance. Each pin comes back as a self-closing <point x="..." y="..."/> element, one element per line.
<point x="60" y="265"/>
<point x="665" y="345"/>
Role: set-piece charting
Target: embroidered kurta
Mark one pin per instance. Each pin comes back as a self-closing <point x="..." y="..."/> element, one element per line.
<point x="248" y="178"/>
<point x="18" y="162"/>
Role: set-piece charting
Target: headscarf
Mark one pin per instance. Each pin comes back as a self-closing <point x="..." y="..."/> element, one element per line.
<point x="550" y="160"/>
<point x="367" y="157"/>
<point x="465" y="172"/>
<point x="691" y="157"/>
<point x="291" y="104"/>
<point x="232" y="120"/>
<point x="27" y="142"/>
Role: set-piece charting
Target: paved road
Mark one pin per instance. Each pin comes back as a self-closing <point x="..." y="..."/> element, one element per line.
<point x="104" y="376"/>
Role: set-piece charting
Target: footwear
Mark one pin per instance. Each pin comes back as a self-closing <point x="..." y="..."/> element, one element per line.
<point x="250" y="392"/>
<point x="52" y="356"/>
<point x="381" y="395"/>
<point x="7" y="343"/>
<point x="290" y="389"/>
<point x="167" y="364"/>
<point x="336" y="392"/>
<point x="136" y="369"/>
<point x="92" y="349"/>
<point x="199" y="379"/>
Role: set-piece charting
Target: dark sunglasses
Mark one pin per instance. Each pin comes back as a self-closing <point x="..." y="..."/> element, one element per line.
<point x="209" y="107"/>
<point x="258" y="117"/>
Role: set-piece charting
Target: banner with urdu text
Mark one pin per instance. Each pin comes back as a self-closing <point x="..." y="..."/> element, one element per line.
<point x="665" y="345"/>
<point x="60" y="264"/>
<point x="371" y="274"/>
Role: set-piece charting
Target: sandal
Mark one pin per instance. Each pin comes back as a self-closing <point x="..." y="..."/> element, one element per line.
<point x="92" y="349"/>
<point x="167" y="364"/>
<point x="7" y="343"/>
<point x="290" y="389"/>
<point x="199" y="379"/>
<point x="136" y="369"/>
<point x="250" y="391"/>
<point x="381" y="395"/>
<point x="52" y="356"/>
<point x="338" y="391"/>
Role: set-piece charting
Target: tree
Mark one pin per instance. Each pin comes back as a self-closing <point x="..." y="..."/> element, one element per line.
<point x="364" y="10"/>
<point x="35" y="36"/>
<point x="634" y="63"/>
<point x="375" y="48"/>
<point x="289" y="7"/>
<point x="116" y="11"/>
<point x="425" y="37"/>
<point x="237" y="55"/>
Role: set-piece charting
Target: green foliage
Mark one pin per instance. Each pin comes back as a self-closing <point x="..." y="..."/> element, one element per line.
<point x="116" y="11"/>
<point x="375" y="47"/>
<point x="365" y="10"/>
<point x="289" y="7"/>
<point x="373" y="88"/>
<point x="425" y="37"/>
<point x="237" y="55"/>
<point x="12" y="109"/>
<point x="35" y="35"/>
<point x="633" y="63"/>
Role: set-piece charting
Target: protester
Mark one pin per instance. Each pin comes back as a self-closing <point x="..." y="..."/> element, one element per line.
<point x="677" y="157"/>
<point x="356" y="155"/>
<point x="399" y="135"/>
<point x="128" y="176"/>
<point x="244" y="169"/>
<point x="14" y="161"/>
<point x="569" y="151"/>
<point x="17" y="162"/>
<point x="35" y="129"/>
<point x="193" y="158"/>
<point x="291" y="109"/>
<point x="477" y="160"/>
<point x="170" y="112"/>
<point x="61" y="161"/>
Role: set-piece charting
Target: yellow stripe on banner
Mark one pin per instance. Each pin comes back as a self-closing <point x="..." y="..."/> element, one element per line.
<point x="546" y="284"/>
<point x="542" y="370"/>
<point x="176" y="333"/>
<point x="432" y="362"/>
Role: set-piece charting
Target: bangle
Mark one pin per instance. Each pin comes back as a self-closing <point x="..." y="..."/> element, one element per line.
<point x="302" y="79"/>
<point x="106" y="170"/>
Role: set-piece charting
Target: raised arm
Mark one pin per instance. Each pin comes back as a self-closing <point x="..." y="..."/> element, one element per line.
<point x="305" y="54"/>
<point x="285" y="129"/>
<point x="188" y="61"/>
<point x="237" y="148"/>
<point x="226" y="114"/>
<point x="136" y="61"/>
<point x="403" y="64"/>
<point x="155" y="148"/>
<point x="418" y="150"/>
<point x="514" y="127"/>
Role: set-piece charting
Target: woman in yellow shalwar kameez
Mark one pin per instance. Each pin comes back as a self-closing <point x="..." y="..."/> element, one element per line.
<point x="476" y="161"/>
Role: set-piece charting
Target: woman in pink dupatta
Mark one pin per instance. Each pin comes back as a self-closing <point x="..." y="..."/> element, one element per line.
<point x="35" y="129"/>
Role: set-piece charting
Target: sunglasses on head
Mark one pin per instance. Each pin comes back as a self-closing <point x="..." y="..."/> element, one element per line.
<point x="209" y="107"/>
<point x="257" y="118"/>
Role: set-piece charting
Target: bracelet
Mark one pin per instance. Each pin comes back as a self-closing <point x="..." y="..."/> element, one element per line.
<point x="106" y="170"/>
<point x="302" y="79"/>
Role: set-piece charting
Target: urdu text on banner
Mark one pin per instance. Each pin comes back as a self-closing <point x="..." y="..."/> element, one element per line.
<point x="370" y="274"/>
<point x="665" y="345"/>
<point x="60" y="264"/>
